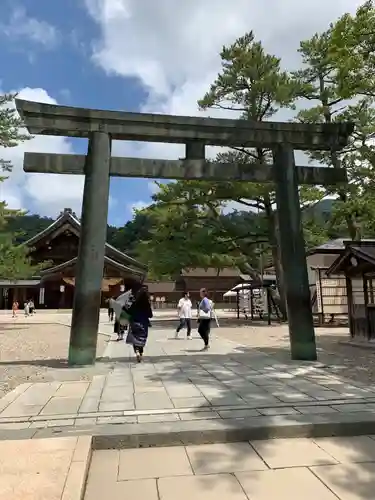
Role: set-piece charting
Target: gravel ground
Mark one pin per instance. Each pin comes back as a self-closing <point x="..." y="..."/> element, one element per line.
<point x="38" y="353"/>
<point x="356" y="363"/>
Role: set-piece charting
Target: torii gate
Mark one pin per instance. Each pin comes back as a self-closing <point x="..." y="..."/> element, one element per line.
<point x="101" y="127"/>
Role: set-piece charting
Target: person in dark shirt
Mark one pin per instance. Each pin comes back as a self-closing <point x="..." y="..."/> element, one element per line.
<point x="140" y="312"/>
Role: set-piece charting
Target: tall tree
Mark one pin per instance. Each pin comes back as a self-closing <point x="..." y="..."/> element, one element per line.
<point x="335" y="98"/>
<point x="14" y="261"/>
<point x="190" y="230"/>
<point x="252" y="84"/>
<point x="353" y="51"/>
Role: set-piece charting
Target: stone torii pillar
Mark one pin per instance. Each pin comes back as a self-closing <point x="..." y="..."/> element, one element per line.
<point x="89" y="273"/>
<point x="293" y="256"/>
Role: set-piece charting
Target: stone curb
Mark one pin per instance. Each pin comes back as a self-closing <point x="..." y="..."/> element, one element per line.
<point x="234" y="430"/>
<point x="177" y="433"/>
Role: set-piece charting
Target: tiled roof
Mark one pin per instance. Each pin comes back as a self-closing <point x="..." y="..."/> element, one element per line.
<point x="67" y="216"/>
<point x="200" y="272"/>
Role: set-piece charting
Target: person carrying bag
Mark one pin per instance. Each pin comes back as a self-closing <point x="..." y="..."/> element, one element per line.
<point x="204" y="318"/>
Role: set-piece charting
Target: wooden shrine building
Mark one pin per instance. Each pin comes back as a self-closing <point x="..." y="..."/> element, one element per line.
<point x="357" y="264"/>
<point x="54" y="288"/>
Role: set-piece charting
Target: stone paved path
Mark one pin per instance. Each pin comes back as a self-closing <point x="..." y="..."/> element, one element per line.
<point x="284" y="469"/>
<point x="44" y="469"/>
<point x="177" y="382"/>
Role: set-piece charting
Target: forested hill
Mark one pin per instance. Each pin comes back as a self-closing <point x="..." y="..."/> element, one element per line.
<point x="126" y="238"/>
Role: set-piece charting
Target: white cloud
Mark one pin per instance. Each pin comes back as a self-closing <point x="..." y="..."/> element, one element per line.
<point x="137" y="205"/>
<point x="173" y="47"/>
<point x="46" y="194"/>
<point x="21" y="26"/>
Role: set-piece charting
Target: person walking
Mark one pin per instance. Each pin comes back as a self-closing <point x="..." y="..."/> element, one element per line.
<point x="204" y="318"/>
<point x="31" y="307"/>
<point x="138" y="309"/>
<point x="15" y="306"/>
<point x="26" y="308"/>
<point x="184" y="307"/>
<point x="110" y="310"/>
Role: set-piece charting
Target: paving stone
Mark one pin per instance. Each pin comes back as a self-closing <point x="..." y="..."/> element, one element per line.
<point x="186" y="391"/>
<point x="283" y="484"/>
<point x="150" y="401"/>
<point x="278" y="411"/>
<point x="292" y="398"/>
<point x="13" y="395"/>
<point x="153" y="463"/>
<point x="324" y="395"/>
<point x="212" y="487"/>
<point x="116" y="394"/>
<point x="60" y="423"/>
<point x="308" y="410"/>
<point x="239" y="413"/>
<point x="220" y="458"/>
<point x="349" y="481"/>
<point x="350" y="408"/>
<point x="190" y="402"/>
<point x="72" y="389"/>
<point x="89" y="404"/>
<point x="143" y="489"/>
<point x="199" y="415"/>
<point x="116" y="406"/>
<point x="117" y="420"/>
<point x="15" y="425"/>
<point x="230" y="400"/>
<point x="104" y="467"/>
<point x="348" y="449"/>
<point x="61" y="405"/>
<point x="171" y="417"/>
<point x="85" y="421"/>
<point x="280" y="453"/>
<point x="16" y="410"/>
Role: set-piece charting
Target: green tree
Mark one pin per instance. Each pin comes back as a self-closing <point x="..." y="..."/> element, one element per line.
<point x="323" y="83"/>
<point x="352" y="50"/>
<point x="128" y="237"/>
<point x="252" y="84"/>
<point x="189" y="230"/>
<point x="14" y="261"/>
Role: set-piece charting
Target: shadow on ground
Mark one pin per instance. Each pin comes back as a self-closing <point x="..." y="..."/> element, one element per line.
<point x="247" y="374"/>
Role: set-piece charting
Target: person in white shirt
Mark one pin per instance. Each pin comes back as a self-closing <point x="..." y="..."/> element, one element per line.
<point x="184" y="311"/>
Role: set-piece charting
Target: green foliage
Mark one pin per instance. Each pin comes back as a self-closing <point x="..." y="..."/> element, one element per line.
<point x="14" y="261"/>
<point x="322" y="84"/>
<point x="10" y="125"/>
<point x="251" y="82"/>
<point x="25" y="226"/>
<point x="353" y="51"/>
<point x="128" y="237"/>
<point x="184" y="235"/>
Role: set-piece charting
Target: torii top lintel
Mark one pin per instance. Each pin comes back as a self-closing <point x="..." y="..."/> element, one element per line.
<point x="51" y="119"/>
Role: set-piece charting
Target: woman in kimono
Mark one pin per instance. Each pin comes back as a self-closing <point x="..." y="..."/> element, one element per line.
<point x="138" y="309"/>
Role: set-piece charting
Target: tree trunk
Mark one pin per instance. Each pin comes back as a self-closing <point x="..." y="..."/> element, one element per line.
<point x="275" y="249"/>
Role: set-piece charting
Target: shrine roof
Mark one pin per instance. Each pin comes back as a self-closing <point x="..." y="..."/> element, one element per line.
<point x="107" y="260"/>
<point x="69" y="217"/>
<point x="211" y="272"/>
<point x="363" y="251"/>
<point x="335" y="246"/>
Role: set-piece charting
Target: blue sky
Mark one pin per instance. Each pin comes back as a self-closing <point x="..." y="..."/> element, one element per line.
<point x="135" y="55"/>
<point x="65" y="70"/>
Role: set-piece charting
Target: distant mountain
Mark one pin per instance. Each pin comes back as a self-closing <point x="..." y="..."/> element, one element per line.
<point x="321" y="210"/>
